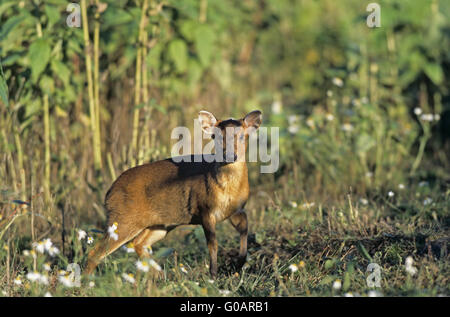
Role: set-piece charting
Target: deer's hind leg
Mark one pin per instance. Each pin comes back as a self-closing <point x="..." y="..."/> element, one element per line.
<point x="144" y="241"/>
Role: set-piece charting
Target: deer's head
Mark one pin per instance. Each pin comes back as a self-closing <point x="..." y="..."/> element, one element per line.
<point x="230" y="135"/>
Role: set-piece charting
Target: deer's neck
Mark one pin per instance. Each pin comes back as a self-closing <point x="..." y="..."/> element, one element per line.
<point x="234" y="174"/>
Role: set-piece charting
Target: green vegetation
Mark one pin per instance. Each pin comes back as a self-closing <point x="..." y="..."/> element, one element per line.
<point x="364" y="117"/>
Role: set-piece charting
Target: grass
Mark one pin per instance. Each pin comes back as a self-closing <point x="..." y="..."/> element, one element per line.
<point x="296" y="248"/>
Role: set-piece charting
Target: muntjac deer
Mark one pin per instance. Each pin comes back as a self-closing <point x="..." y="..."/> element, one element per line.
<point x="148" y="201"/>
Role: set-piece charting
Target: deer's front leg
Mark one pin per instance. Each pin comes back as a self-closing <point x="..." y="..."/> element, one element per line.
<point x="209" y="227"/>
<point x="240" y="223"/>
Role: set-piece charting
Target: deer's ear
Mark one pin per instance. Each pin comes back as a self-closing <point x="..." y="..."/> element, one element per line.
<point x="253" y="119"/>
<point x="207" y="121"/>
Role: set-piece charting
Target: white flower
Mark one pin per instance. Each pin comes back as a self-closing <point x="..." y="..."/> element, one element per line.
<point x="293" y="204"/>
<point x="81" y="234"/>
<point x="37" y="277"/>
<point x="224" y="292"/>
<point x="48" y="294"/>
<point x="293" y="129"/>
<point x="401" y="186"/>
<point x="39" y="246"/>
<point x="293" y="268"/>
<point x="156" y="265"/>
<point x="347" y="127"/>
<point x="91" y="284"/>
<point x="373" y="293"/>
<point x="293" y="124"/>
<point x="427" y="117"/>
<point x="47" y="267"/>
<point x="329" y="93"/>
<point x="410" y="269"/>
<point x="129" y="248"/>
<point x="329" y="117"/>
<point x="128" y="277"/>
<point x="211" y="281"/>
<point x="149" y="249"/>
<point x="356" y="102"/>
<point x="337" y="285"/>
<point x="364" y="100"/>
<point x="113" y="231"/>
<point x="183" y="269"/>
<point x="26" y="252"/>
<point x="310" y="123"/>
<point x="427" y="201"/>
<point x="391" y="193"/>
<point x="308" y="205"/>
<point x="349" y="294"/>
<point x="18" y="280"/>
<point x="369" y="174"/>
<point x="338" y="82"/>
<point x="47" y="244"/>
<point x="114" y="235"/>
<point x="52" y="251"/>
<point x="363" y="201"/>
<point x="62" y="272"/>
<point x="437" y="117"/>
<point x="142" y="266"/>
<point x="417" y="111"/>
<point x="66" y="280"/>
<point x="33" y="276"/>
<point x="277" y="107"/>
<point x="90" y="240"/>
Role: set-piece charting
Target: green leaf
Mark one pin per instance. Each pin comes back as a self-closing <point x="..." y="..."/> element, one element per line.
<point x="347" y="276"/>
<point x="6" y="5"/>
<point x="33" y="107"/>
<point x="195" y="71"/>
<point x="328" y="279"/>
<point x="178" y="54"/>
<point x="330" y="263"/>
<point x="52" y="13"/>
<point x="3" y="87"/>
<point x="39" y="55"/>
<point x="11" y="58"/>
<point x="115" y="16"/>
<point x="204" y="43"/>
<point x="187" y="29"/>
<point x="9" y="25"/>
<point x="47" y="84"/>
<point x="364" y="252"/>
<point x="434" y="72"/>
<point x="62" y="71"/>
<point x="154" y="56"/>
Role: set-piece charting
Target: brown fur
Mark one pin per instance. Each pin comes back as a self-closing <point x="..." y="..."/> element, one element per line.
<point x="148" y="201"/>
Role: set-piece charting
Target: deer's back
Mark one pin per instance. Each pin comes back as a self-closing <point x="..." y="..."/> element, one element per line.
<point x="169" y="193"/>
